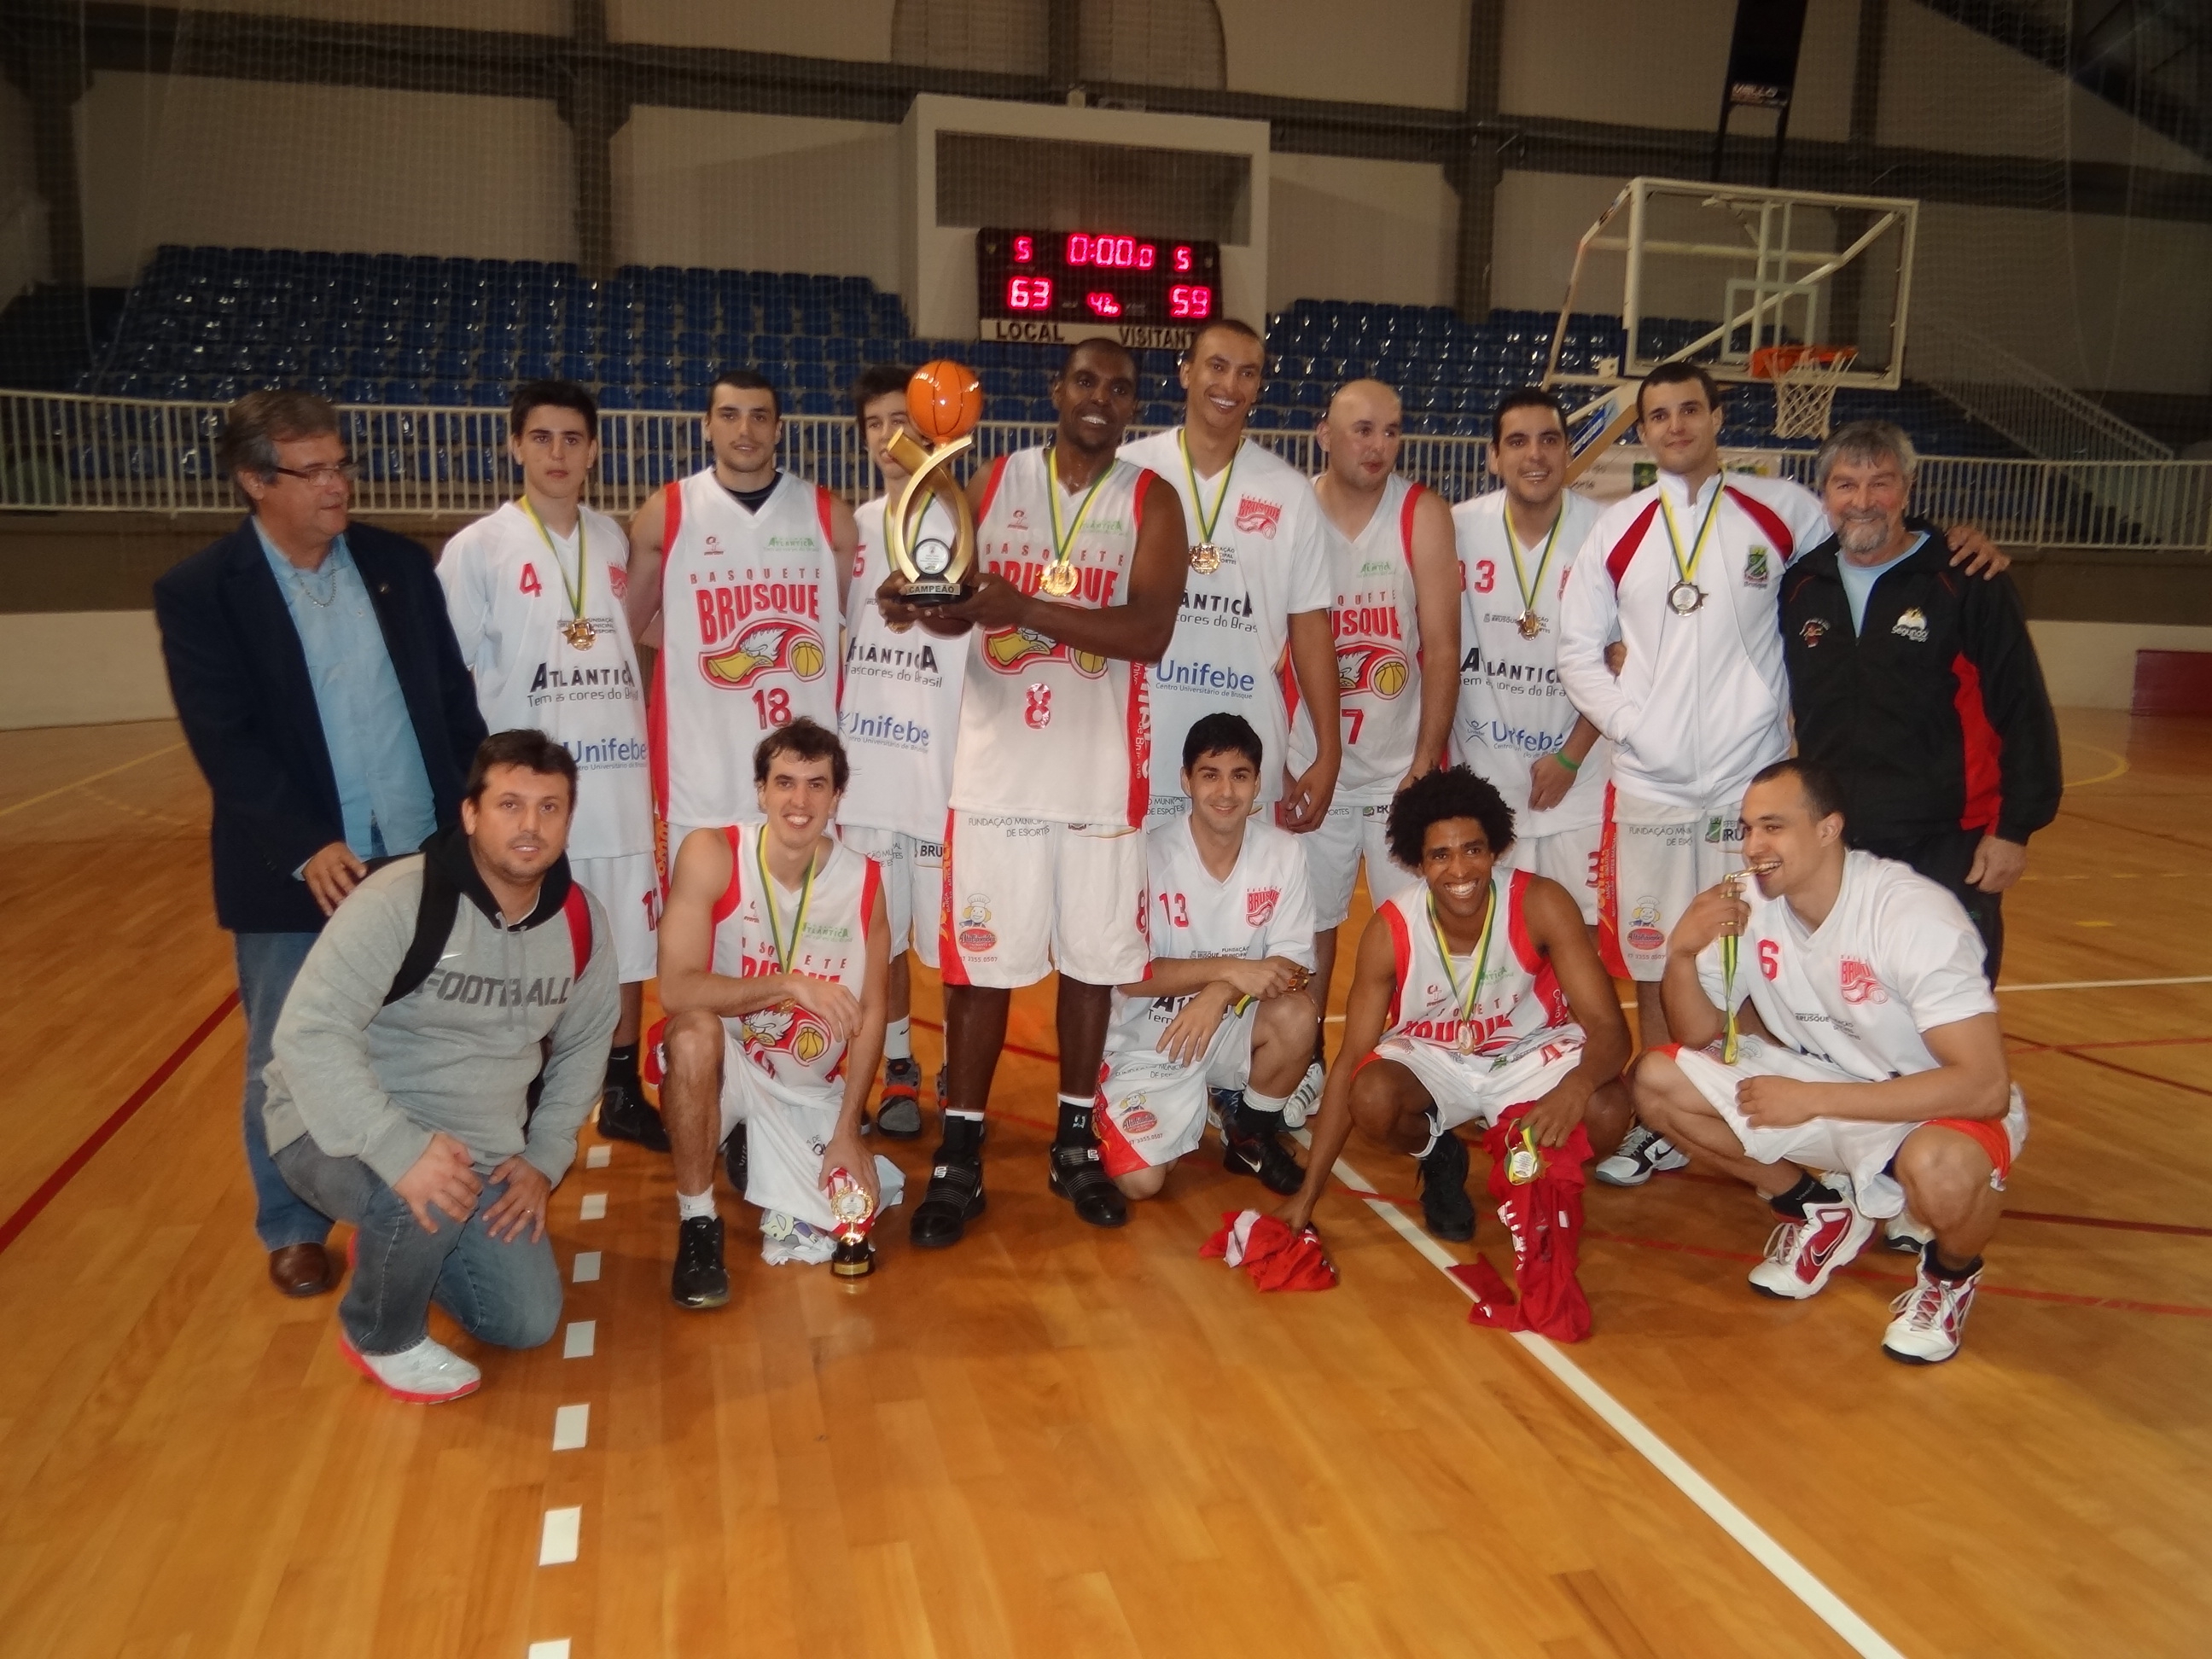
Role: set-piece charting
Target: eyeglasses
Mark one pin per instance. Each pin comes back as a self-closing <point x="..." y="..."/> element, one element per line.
<point x="321" y="476"/>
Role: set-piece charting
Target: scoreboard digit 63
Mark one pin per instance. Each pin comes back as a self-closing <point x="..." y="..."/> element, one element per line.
<point x="1084" y="282"/>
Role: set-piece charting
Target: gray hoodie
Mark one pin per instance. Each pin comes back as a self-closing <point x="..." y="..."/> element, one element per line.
<point x="456" y="1053"/>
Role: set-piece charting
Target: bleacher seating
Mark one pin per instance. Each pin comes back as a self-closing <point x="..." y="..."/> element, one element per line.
<point x="209" y="323"/>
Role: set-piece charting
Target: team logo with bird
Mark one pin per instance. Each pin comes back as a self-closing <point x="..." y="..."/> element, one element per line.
<point x="784" y="1028"/>
<point x="768" y="648"/>
<point x="1011" y="650"/>
<point x="1370" y="667"/>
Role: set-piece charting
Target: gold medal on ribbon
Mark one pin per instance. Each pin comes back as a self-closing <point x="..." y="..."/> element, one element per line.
<point x="784" y="954"/>
<point x="1060" y="577"/>
<point x="1530" y="623"/>
<point x="1731" y="948"/>
<point x="577" y="630"/>
<point x="1205" y="555"/>
<point x="1465" y="1026"/>
<point x="1685" y="597"/>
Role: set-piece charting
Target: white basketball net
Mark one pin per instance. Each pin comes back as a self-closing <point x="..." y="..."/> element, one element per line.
<point x="1805" y="392"/>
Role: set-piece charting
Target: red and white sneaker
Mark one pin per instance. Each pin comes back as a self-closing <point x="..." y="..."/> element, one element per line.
<point x="428" y="1373"/>
<point x="1931" y="1318"/>
<point x="1801" y="1256"/>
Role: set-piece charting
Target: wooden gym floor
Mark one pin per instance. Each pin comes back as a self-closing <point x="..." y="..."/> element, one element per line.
<point x="1057" y="1441"/>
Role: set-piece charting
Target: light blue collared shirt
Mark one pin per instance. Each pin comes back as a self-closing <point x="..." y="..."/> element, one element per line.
<point x="1858" y="580"/>
<point x="384" y="794"/>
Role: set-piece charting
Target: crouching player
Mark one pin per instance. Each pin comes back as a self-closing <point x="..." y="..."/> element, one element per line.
<point x="1475" y="991"/>
<point x="1869" y="1074"/>
<point x="773" y="957"/>
<point x="1223" y="1010"/>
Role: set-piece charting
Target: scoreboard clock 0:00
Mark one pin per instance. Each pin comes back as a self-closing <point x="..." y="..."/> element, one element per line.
<point x="1096" y="279"/>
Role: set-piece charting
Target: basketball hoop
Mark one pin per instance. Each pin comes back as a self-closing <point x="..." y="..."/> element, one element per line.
<point x="1805" y="380"/>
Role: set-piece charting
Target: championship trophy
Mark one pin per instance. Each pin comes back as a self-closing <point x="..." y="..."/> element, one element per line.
<point x="945" y="401"/>
<point x="852" y="1212"/>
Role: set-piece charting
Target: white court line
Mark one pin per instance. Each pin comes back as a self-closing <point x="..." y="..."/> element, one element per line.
<point x="598" y="1157"/>
<point x="587" y="1268"/>
<point x="556" y="1545"/>
<point x="549" y="1650"/>
<point x="576" y="1342"/>
<point x="594" y="1207"/>
<point x="572" y="1427"/>
<point x="2105" y="984"/>
<point x="1824" y="1604"/>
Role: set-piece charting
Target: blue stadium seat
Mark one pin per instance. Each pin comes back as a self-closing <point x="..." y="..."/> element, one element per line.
<point x="656" y="397"/>
<point x="488" y="394"/>
<point x="615" y="396"/>
<point x="446" y="393"/>
<point x="361" y="390"/>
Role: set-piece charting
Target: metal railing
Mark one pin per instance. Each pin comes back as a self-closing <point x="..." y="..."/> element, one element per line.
<point x="73" y="453"/>
<point x="2006" y="393"/>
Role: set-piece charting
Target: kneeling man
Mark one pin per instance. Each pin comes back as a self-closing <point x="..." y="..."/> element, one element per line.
<point x="399" y="1096"/>
<point x="1221" y="1012"/>
<point x="775" y="959"/>
<point x="1869" y="1075"/>
<point x="1476" y="991"/>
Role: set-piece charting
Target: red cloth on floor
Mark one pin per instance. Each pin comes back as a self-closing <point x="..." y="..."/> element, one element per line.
<point x="1273" y="1257"/>
<point x="1545" y="1218"/>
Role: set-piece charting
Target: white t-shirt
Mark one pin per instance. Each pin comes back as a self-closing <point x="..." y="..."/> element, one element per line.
<point x="508" y="594"/>
<point x="1513" y="706"/>
<point x="1896" y="957"/>
<point x="1703" y="701"/>
<point x="1264" y="908"/>
<point x="1376" y="617"/>
<point x="1234" y="629"/>
<point x="899" y="709"/>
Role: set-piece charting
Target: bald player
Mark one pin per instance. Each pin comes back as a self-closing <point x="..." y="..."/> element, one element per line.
<point x="1257" y="588"/>
<point x="746" y="566"/>
<point x="1396" y="607"/>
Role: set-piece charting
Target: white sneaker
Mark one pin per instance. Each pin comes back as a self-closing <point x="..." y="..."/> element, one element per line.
<point x="1642" y="1155"/>
<point x="1931" y="1318"/>
<point x="1801" y="1256"/>
<point x="1305" y="1099"/>
<point x="428" y="1373"/>
<point x="1906" y="1236"/>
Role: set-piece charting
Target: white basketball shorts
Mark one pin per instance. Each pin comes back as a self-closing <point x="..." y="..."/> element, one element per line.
<point x="913" y="882"/>
<point x="1152" y="1111"/>
<point x="1023" y="895"/>
<point x="1652" y="860"/>
<point x="628" y="890"/>
<point x="1345" y="838"/>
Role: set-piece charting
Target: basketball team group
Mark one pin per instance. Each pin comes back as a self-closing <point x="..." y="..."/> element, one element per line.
<point x="1773" y="755"/>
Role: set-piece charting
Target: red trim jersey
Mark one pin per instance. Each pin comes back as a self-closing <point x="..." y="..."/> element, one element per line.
<point x="749" y="639"/>
<point x="1702" y="702"/>
<point x="1376" y="619"/>
<point x="1519" y="997"/>
<point x="793" y="1052"/>
<point x="1895" y="956"/>
<point x="1046" y="731"/>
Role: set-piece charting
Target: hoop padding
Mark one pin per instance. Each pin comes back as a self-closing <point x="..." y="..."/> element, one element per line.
<point x="1805" y="381"/>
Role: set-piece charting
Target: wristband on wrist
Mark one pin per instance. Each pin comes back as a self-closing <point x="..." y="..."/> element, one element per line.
<point x="1568" y="761"/>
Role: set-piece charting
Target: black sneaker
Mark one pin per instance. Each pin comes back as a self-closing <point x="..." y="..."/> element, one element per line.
<point x="1249" y="1147"/>
<point x="625" y="1115"/>
<point x="953" y="1199"/>
<point x="898" y="1108"/>
<point x="1445" y="1206"/>
<point x="734" y="1161"/>
<point x="700" y="1280"/>
<point x="1079" y="1177"/>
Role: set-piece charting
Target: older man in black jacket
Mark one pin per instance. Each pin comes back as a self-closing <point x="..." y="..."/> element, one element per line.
<point x="324" y="696"/>
<point x="1918" y="686"/>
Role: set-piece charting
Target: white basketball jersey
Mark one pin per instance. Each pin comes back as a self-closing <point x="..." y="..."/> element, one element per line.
<point x="1376" y="621"/>
<point x="749" y="639"/>
<point x="1895" y="956"/>
<point x="1513" y="708"/>
<point x="1519" y="996"/>
<point x="1047" y="732"/>
<point x="1234" y="628"/>
<point x="1264" y="908"/>
<point x="508" y="594"/>
<point x="790" y="1049"/>
<point x="899" y="711"/>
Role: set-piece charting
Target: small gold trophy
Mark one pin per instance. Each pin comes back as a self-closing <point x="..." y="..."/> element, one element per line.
<point x="852" y="1212"/>
<point x="944" y="400"/>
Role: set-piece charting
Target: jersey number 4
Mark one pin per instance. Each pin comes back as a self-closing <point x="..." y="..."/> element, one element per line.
<point x="530" y="585"/>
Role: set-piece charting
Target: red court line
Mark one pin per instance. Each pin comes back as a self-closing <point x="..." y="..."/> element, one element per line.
<point x="2148" y="1077"/>
<point x="2028" y="1048"/>
<point x="1005" y="1048"/>
<point x="28" y="1212"/>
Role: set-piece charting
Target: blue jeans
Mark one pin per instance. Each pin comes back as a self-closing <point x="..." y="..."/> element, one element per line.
<point x="267" y="965"/>
<point x="506" y="1292"/>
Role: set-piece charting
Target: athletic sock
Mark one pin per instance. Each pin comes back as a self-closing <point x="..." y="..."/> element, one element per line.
<point x="1807" y="1191"/>
<point x="1269" y="1108"/>
<point x="963" y="1136"/>
<point x="688" y="1208"/>
<point x="1074" y="1122"/>
<point x="621" y="1064"/>
<point x="898" y="1040"/>
<point x="1932" y="1261"/>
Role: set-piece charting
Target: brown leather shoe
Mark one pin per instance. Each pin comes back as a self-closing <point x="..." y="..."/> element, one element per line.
<point x="302" y="1270"/>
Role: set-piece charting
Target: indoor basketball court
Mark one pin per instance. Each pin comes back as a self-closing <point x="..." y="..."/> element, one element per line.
<point x="1056" y="1438"/>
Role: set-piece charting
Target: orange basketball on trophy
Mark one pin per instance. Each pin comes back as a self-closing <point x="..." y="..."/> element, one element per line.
<point x="944" y="400"/>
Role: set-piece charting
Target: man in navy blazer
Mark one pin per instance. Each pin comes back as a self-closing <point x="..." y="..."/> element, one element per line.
<point x="325" y="697"/>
